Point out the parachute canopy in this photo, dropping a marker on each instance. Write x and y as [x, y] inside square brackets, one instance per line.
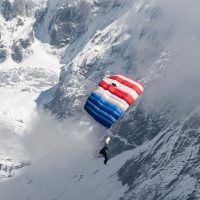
[112, 98]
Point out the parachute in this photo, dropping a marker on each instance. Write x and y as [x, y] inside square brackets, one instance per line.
[112, 98]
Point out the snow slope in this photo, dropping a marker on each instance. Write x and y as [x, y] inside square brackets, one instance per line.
[58, 173]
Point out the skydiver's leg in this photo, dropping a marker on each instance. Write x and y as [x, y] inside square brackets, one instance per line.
[106, 159]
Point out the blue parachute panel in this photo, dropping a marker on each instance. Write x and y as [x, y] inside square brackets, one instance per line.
[100, 111]
[105, 122]
[105, 106]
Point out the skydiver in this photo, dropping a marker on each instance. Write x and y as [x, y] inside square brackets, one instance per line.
[104, 150]
[104, 153]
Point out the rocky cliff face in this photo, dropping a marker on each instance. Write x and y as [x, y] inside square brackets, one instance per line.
[10, 9]
[68, 23]
[22, 48]
[3, 52]
[17, 34]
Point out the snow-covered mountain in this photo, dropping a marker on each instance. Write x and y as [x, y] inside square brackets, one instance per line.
[154, 147]
[27, 67]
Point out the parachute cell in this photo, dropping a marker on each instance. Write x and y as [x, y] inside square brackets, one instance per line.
[112, 98]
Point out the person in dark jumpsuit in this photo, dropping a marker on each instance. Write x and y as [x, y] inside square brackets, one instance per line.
[104, 153]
